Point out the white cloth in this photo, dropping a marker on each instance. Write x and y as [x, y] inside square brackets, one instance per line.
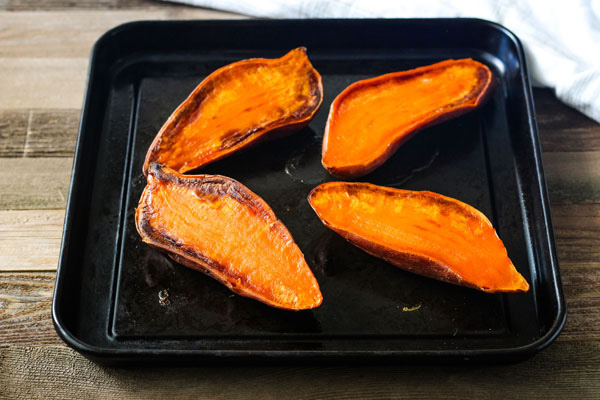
[561, 38]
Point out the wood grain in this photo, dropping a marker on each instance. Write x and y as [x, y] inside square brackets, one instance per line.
[38, 133]
[13, 130]
[573, 177]
[57, 34]
[44, 55]
[34, 183]
[52, 133]
[42, 82]
[30, 240]
[25, 303]
[577, 232]
[58, 372]
[563, 128]
[580, 285]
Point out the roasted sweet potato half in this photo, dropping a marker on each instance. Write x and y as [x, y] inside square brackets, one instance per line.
[423, 232]
[236, 106]
[217, 226]
[370, 119]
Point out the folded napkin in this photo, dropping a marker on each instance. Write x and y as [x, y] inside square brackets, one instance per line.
[561, 38]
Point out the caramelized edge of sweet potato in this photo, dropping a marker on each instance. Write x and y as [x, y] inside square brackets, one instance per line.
[479, 96]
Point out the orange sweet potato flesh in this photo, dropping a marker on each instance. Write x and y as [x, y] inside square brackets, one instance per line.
[423, 232]
[216, 225]
[370, 119]
[236, 106]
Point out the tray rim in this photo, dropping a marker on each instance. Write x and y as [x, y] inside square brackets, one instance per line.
[104, 354]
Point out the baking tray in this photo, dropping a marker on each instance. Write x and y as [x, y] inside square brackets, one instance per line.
[107, 303]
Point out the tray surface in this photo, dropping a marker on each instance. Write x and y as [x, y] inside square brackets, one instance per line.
[107, 302]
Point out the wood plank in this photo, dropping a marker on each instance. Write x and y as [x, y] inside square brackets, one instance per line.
[38, 132]
[42, 82]
[577, 232]
[58, 34]
[25, 303]
[581, 285]
[573, 177]
[34, 183]
[563, 128]
[13, 130]
[564, 370]
[30, 239]
[44, 55]
[52, 133]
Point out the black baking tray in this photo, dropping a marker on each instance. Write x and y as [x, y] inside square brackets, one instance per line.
[106, 301]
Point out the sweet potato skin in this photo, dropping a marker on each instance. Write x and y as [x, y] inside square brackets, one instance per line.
[414, 262]
[166, 149]
[219, 187]
[480, 92]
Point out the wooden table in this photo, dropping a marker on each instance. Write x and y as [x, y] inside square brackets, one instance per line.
[44, 49]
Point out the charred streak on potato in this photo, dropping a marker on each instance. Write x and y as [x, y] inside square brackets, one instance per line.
[232, 138]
